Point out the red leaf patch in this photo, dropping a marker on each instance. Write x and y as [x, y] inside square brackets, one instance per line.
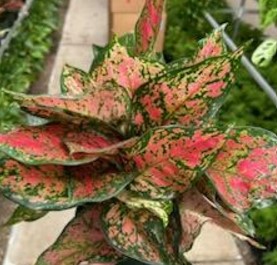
[212, 46]
[148, 26]
[245, 170]
[169, 158]
[51, 187]
[109, 104]
[129, 72]
[189, 96]
[42, 145]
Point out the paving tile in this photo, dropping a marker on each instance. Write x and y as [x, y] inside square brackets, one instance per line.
[80, 32]
[29, 240]
[214, 244]
[87, 22]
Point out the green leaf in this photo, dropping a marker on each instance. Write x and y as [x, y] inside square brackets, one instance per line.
[127, 71]
[53, 187]
[268, 12]
[161, 209]
[168, 159]
[244, 171]
[23, 214]
[98, 54]
[137, 234]
[264, 54]
[148, 26]
[190, 96]
[81, 241]
[74, 82]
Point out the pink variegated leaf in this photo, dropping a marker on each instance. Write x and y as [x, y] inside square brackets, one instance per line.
[148, 26]
[54, 187]
[74, 81]
[190, 96]
[81, 240]
[169, 158]
[95, 144]
[212, 46]
[137, 234]
[108, 104]
[55, 143]
[195, 211]
[127, 71]
[44, 145]
[245, 170]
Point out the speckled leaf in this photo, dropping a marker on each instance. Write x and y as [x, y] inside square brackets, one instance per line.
[81, 240]
[53, 187]
[74, 81]
[245, 170]
[169, 159]
[137, 234]
[212, 46]
[195, 211]
[109, 104]
[95, 144]
[43, 145]
[23, 214]
[148, 26]
[188, 97]
[161, 209]
[127, 71]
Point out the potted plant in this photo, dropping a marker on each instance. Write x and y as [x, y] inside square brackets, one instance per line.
[134, 145]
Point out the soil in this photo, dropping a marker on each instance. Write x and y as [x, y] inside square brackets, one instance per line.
[40, 86]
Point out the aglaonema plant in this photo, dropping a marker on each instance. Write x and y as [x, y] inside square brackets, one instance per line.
[134, 145]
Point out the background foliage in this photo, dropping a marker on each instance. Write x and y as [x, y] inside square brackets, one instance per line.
[247, 104]
[24, 58]
[268, 12]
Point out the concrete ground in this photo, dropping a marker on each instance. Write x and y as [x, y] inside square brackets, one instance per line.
[253, 19]
[86, 24]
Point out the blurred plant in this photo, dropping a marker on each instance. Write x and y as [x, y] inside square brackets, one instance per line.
[264, 54]
[10, 5]
[268, 12]
[24, 58]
